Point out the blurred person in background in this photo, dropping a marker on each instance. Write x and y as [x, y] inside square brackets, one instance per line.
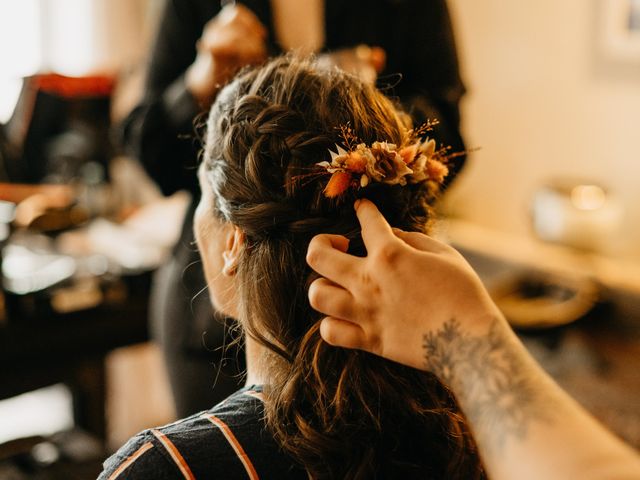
[198, 48]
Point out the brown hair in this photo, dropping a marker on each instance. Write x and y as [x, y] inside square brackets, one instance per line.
[339, 413]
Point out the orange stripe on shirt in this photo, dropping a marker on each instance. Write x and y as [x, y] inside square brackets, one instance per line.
[123, 466]
[233, 441]
[175, 454]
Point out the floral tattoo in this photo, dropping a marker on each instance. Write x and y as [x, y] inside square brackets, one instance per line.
[491, 380]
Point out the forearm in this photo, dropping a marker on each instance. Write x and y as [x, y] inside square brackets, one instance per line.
[160, 133]
[417, 301]
[524, 424]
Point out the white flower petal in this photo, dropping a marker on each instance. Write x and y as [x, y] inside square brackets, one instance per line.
[341, 151]
[419, 169]
[428, 147]
[402, 168]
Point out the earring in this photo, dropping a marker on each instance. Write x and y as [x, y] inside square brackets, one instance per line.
[229, 270]
[230, 267]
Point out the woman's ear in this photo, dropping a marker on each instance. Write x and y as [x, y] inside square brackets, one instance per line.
[234, 244]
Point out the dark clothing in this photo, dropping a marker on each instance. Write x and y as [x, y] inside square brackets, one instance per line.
[201, 370]
[230, 441]
[416, 35]
[421, 70]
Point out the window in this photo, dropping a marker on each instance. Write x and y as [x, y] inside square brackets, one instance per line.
[69, 37]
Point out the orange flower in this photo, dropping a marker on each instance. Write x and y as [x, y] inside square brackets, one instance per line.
[356, 163]
[337, 185]
[436, 170]
[409, 153]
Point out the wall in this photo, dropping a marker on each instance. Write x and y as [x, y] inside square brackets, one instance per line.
[71, 37]
[543, 102]
[91, 36]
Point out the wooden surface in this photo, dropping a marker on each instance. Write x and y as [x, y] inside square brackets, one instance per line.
[597, 363]
[597, 358]
[527, 252]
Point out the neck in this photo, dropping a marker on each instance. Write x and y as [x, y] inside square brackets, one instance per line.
[255, 354]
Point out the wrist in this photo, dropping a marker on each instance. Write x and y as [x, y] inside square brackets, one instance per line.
[180, 106]
[477, 312]
[453, 350]
[201, 79]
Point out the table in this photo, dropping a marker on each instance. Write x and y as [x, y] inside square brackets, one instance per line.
[50, 348]
[596, 360]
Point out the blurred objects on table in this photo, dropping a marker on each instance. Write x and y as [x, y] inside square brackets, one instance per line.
[532, 300]
[74, 294]
[578, 313]
[69, 269]
[578, 214]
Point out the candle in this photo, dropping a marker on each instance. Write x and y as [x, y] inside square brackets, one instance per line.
[580, 215]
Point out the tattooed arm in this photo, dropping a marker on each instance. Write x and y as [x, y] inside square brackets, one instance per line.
[416, 301]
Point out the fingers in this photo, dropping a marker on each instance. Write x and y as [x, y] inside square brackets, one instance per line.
[235, 40]
[246, 18]
[339, 242]
[234, 26]
[238, 47]
[326, 255]
[330, 299]
[341, 333]
[420, 241]
[375, 229]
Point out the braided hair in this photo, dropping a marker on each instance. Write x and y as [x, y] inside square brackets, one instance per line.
[339, 413]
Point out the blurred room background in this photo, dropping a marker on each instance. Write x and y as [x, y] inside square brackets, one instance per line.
[554, 92]
[547, 209]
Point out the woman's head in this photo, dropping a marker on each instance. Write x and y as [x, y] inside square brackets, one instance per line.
[263, 200]
[266, 133]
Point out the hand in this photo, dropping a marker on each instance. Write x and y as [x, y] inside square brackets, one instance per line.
[231, 40]
[407, 285]
[362, 61]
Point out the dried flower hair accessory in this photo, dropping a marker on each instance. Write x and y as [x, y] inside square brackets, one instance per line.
[382, 162]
